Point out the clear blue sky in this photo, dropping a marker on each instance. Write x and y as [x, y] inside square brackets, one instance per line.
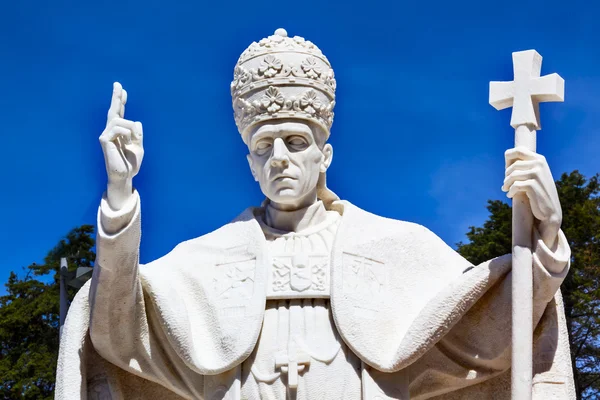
[414, 136]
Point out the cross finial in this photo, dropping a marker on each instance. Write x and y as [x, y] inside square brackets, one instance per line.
[527, 90]
[292, 364]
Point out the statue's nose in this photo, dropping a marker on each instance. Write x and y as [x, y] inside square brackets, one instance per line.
[280, 157]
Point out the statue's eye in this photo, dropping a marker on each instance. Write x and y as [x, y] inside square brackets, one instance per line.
[263, 146]
[297, 142]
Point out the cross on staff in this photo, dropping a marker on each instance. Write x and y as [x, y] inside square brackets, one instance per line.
[293, 364]
[524, 94]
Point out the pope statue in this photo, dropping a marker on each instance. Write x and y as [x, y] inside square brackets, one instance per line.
[308, 296]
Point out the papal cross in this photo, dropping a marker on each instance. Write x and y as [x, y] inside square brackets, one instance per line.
[524, 95]
[527, 90]
[293, 363]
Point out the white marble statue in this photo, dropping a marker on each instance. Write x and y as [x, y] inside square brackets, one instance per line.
[308, 296]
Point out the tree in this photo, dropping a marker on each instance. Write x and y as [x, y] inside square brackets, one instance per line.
[580, 202]
[29, 319]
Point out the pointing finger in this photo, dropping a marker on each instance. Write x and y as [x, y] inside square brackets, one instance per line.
[123, 102]
[115, 104]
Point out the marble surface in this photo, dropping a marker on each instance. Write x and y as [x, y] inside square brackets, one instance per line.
[306, 296]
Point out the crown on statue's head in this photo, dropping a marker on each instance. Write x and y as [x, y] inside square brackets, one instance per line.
[282, 77]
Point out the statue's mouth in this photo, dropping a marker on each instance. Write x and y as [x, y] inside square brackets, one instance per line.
[280, 178]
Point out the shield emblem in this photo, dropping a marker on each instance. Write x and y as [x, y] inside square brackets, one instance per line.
[299, 275]
[300, 278]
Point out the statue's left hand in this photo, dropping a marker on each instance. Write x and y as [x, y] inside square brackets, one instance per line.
[528, 172]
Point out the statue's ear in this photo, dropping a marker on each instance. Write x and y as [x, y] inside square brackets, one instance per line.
[250, 163]
[327, 157]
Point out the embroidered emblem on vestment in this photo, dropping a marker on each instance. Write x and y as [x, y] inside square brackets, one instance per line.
[363, 276]
[235, 276]
[300, 274]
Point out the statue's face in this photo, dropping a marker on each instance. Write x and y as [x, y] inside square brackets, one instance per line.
[286, 158]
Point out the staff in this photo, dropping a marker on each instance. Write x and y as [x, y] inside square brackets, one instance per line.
[524, 94]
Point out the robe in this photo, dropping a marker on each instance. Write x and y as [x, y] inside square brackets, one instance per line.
[422, 321]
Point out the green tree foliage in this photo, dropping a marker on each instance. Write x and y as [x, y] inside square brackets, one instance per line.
[29, 319]
[580, 202]
[491, 240]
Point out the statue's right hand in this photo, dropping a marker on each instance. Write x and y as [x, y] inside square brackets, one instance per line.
[122, 144]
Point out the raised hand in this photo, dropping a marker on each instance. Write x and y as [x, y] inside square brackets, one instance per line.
[122, 144]
[529, 173]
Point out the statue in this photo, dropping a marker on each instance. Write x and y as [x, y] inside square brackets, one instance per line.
[307, 296]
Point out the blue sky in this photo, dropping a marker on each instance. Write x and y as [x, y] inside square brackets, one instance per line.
[414, 137]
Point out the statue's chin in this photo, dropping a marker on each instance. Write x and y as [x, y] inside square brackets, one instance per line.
[286, 196]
